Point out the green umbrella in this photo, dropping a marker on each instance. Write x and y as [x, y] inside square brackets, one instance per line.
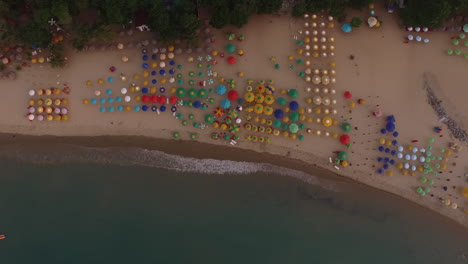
[465, 43]
[202, 93]
[232, 113]
[201, 74]
[465, 28]
[419, 190]
[423, 179]
[230, 48]
[196, 124]
[284, 126]
[180, 81]
[346, 127]
[234, 128]
[293, 128]
[227, 137]
[293, 93]
[300, 42]
[301, 126]
[301, 137]
[204, 106]
[228, 120]
[457, 51]
[181, 92]
[301, 74]
[193, 136]
[175, 135]
[343, 155]
[236, 138]
[277, 66]
[462, 35]
[214, 135]
[450, 51]
[191, 116]
[184, 122]
[299, 62]
[211, 100]
[276, 123]
[209, 118]
[456, 42]
[192, 93]
[294, 116]
[281, 101]
[180, 116]
[179, 66]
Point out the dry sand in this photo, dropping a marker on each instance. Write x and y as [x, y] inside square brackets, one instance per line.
[385, 72]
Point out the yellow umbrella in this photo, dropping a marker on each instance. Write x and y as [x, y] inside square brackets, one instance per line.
[50, 117]
[64, 101]
[276, 132]
[31, 102]
[128, 108]
[260, 88]
[58, 118]
[145, 73]
[268, 110]
[100, 81]
[136, 76]
[269, 99]
[270, 89]
[85, 101]
[48, 101]
[249, 97]
[49, 110]
[327, 121]
[249, 108]
[41, 60]
[89, 83]
[40, 109]
[259, 98]
[57, 91]
[465, 192]
[258, 108]
[33, 60]
[145, 83]
[48, 91]
[57, 102]
[170, 48]
[40, 102]
[40, 91]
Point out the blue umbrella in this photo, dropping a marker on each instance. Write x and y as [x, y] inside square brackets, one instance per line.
[383, 131]
[93, 101]
[225, 103]
[110, 79]
[346, 28]
[110, 109]
[172, 62]
[144, 108]
[144, 51]
[102, 109]
[153, 73]
[154, 56]
[145, 65]
[173, 109]
[162, 72]
[102, 100]
[162, 108]
[221, 89]
[196, 104]
[154, 108]
[395, 134]
[391, 118]
[390, 126]
[144, 90]
[109, 91]
[145, 57]
[171, 71]
[279, 113]
[119, 108]
[293, 105]
[154, 81]
[110, 100]
[118, 99]
[136, 108]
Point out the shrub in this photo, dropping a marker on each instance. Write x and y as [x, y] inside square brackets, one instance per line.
[356, 22]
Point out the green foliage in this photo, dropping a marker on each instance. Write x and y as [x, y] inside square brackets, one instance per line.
[428, 13]
[84, 33]
[18, 67]
[299, 9]
[268, 6]
[2, 67]
[34, 34]
[58, 59]
[359, 4]
[356, 22]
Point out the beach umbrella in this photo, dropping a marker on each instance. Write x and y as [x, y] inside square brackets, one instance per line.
[465, 28]
[232, 113]
[450, 51]
[293, 105]
[372, 21]
[268, 110]
[221, 89]
[293, 128]
[278, 114]
[173, 100]
[293, 93]
[258, 108]
[390, 127]
[144, 108]
[457, 52]
[327, 121]
[196, 104]
[249, 97]
[154, 99]
[281, 101]
[348, 95]
[202, 93]
[345, 139]
[192, 93]
[346, 127]
[234, 128]
[231, 60]
[145, 99]
[225, 103]
[259, 98]
[162, 99]
[269, 99]
[294, 116]
[218, 112]
[346, 28]
[230, 47]
[209, 118]
[233, 95]
[231, 83]
[343, 155]
[181, 92]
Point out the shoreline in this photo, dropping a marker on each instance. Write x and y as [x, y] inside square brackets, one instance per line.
[203, 150]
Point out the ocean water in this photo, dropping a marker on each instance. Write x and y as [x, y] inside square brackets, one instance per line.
[116, 205]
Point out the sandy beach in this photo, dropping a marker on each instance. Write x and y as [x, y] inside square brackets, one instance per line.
[384, 71]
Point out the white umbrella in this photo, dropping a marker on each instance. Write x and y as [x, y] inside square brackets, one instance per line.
[40, 117]
[426, 40]
[372, 21]
[123, 90]
[238, 120]
[418, 38]
[155, 50]
[163, 50]
[32, 110]
[162, 64]
[170, 55]
[410, 37]
[171, 80]
[97, 93]
[31, 92]
[162, 56]
[417, 29]
[127, 98]
[316, 79]
[57, 110]
[31, 117]
[64, 111]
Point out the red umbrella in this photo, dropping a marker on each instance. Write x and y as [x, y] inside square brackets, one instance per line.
[231, 60]
[348, 95]
[162, 99]
[173, 99]
[233, 95]
[154, 99]
[145, 99]
[219, 111]
[345, 139]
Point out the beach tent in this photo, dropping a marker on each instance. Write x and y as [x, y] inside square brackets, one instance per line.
[346, 28]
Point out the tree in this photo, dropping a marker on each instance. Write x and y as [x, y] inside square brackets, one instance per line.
[426, 13]
[220, 18]
[34, 34]
[356, 22]
[268, 6]
[359, 4]
[60, 10]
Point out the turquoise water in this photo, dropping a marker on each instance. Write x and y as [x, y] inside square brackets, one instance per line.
[83, 212]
